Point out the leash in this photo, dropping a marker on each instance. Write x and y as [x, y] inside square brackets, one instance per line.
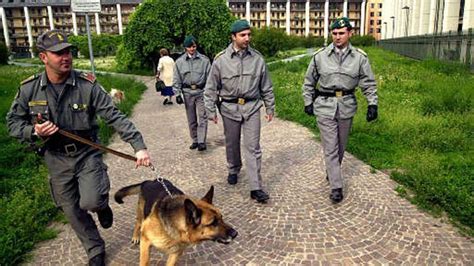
[101, 147]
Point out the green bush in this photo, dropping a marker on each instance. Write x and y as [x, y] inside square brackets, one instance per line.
[3, 54]
[102, 45]
[269, 40]
[365, 40]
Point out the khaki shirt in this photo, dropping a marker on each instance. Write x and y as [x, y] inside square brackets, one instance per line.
[165, 67]
[333, 73]
[233, 76]
[191, 71]
[74, 110]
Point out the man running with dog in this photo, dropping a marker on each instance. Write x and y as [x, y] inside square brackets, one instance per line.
[63, 98]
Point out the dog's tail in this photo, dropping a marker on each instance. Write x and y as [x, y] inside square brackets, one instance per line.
[127, 191]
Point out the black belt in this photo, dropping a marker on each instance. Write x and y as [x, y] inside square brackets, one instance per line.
[67, 149]
[191, 87]
[336, 93]
[238, 100]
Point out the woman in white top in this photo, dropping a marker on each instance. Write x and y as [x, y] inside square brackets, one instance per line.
[165, 73]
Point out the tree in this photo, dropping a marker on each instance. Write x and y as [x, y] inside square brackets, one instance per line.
[160, 24]
[3, 54]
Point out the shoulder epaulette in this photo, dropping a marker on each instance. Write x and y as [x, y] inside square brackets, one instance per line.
[219, 54]
[88, 76]
[319, 50]
[361, 51]
[35, 76]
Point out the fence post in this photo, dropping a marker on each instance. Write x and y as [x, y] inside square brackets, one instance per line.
[468, 50]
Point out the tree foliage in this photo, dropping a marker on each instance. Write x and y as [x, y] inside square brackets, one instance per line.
[102, 45]
[160, 24]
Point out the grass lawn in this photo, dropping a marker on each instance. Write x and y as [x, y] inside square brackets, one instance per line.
[26, 207]
[423, 137]
[107, 64]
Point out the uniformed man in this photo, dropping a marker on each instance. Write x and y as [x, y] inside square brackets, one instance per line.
[238, 84]
[338, 69]
[190, 74]
[62, 98]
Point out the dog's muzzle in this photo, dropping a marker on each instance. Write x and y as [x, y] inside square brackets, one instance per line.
[230, 235]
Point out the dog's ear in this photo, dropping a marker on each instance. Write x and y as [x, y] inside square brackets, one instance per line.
[193, 213]
[209, 195]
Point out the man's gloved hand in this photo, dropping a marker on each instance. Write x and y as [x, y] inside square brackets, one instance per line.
[179, 99]
[309, 110]
[372, 113]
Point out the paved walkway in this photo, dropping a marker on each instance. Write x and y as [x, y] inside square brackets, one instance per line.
[298, 226]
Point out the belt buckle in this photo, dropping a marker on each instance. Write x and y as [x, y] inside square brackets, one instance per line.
[241, 101]
[193, 86]
[338, 94]
[70, 149]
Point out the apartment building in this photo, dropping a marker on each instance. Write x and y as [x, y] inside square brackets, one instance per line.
[22, 21]
[373, 23]
[403, 18]
[300, 17]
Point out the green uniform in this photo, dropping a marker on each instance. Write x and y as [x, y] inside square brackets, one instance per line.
[189, 79]
[77, 174]
[337, 74]
[242, 83]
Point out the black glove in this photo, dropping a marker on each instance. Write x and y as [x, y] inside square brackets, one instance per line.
[308, 109]
[372, 113]
[179, 99]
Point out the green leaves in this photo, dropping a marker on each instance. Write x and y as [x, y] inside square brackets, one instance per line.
[160, 24]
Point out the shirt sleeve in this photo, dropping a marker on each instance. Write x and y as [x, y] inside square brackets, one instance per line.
[266, 91]
[367, 82]
[310, 80]
[104, 107]
[211, 90]
[18, 119]
[177, 82]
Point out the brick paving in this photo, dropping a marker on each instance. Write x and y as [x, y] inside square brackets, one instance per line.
[299, 225]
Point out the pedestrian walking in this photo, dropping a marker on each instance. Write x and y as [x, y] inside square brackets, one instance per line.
[189, 78]
[63, 98]
[338, 69]
[239, 84]
[164, 72]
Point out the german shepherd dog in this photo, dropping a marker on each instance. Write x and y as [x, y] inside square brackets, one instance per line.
[172, 223]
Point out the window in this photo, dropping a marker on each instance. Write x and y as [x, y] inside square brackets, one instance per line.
[371, 22]
[380, 14]
[380, 5]
[371, 31]
[372, 5]
[378, 30]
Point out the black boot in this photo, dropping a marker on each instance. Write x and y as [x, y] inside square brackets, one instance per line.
[106, 217]
[336, 195]
[259, 195]
[232, 179]
[97, 260]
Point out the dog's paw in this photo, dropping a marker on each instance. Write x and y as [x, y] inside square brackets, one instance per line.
[135, 240]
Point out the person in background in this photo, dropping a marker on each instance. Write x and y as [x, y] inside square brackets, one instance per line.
[190, 75]
[239, 84]
[338, 69]
[164, 72]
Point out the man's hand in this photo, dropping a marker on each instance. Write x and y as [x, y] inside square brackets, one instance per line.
[269, 117]
[214, 119]
[179, 99]
[45, 129]
[372, 113]
[309, 110]
[143, 158]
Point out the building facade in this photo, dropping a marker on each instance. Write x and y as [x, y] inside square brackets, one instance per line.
[402, 18]
[300, 17]
[22, 21]
[373, 22]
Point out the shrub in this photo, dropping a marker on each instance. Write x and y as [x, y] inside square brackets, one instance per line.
[366, 40]
[102, 45]
[270, 40]
[3, 54]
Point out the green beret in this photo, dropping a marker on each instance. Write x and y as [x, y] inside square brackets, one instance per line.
[189, 41]
[239, 26]
[341, 23]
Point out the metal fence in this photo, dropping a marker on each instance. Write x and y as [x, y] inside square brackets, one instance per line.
[450, 46]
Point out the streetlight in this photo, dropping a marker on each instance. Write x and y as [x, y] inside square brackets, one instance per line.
[385, 31]
[393, 26]
[407, 8]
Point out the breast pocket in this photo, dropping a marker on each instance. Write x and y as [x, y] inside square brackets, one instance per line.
[230, 82]
[36, 109]
[249, 79]
[79, 116]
